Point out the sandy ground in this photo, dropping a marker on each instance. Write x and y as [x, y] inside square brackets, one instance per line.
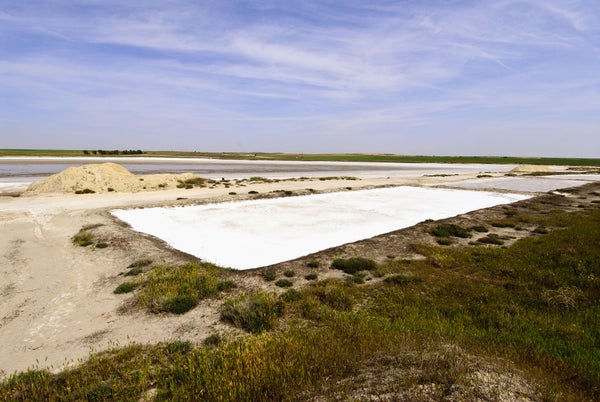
[56, 299]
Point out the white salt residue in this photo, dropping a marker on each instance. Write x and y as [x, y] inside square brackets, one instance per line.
[255, 233]
[524, 184]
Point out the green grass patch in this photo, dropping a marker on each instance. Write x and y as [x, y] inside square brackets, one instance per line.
[450, 229]
[125, 287]
[284, 283]
[255, 312]
[353, 264]
[101, 245]
[83, 239]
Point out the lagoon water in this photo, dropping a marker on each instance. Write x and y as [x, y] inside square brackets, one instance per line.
[256, 233]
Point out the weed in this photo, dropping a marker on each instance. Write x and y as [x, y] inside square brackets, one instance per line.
[82, 239]
[134, 271]
[213, 340]
[226, 285]
[101, 245]
[140, 263]
[353, 264]
[480, 229]
[492, 238]
[179, 304]
[291, 295]
[450, 229]
[284, 283]
[269, 275]
[255, 312]
[311, 277]
[313, 264]
[125, 287]
[289, 273]
[444, 241]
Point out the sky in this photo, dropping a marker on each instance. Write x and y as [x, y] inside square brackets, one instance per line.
[430, 77]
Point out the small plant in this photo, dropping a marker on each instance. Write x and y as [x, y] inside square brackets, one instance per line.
[213, 340]
[311, 277]
[289, 273]
[402, 280]
[492, 238]
[252, 192]
[450, 229]
[444, 241]
[540, 230]
[232, 193]
[313, 264]
[503, 224]
[82, 239]
[178, 347]
[288, 192]
[125, 287]
[284, 283]
[110, 189]
[353, 264]
[291, 295]
[255, 312]
[85, 191]
[134, 271]
[226, 285]
[480, 229]
[101, 245]
[269, 275]
[179, 304]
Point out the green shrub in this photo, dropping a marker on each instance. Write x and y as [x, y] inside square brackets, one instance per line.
[313, 264]
[289, 273]
[82, 239]
[492, 238]
[269, 275]
[291, 295]
[503, 224]
[450, 229]
[310, 277]
[179, 304]
[178, 347]
[213, 340]
[134, 271]
[140, 263]
[402, 279]
[540, 230]
[353, 264]
[480, 229]
[252, 192]
[223, 286]
[232, 193]
[85, 191]
[444, 241]
[125, 287]
[284, 283]
[101, 245]
[332, 294]
[255, 312]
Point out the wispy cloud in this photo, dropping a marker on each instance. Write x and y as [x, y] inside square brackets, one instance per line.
[316, 70]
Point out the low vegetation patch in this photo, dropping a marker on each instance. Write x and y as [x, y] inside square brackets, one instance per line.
[125, 287]
[464, 323]
[354, 264]
[85, 191]
[450, 229]
[284, 283]
[255, 311]
[83, 239]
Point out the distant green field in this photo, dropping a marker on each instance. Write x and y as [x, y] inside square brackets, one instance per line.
[326, 157]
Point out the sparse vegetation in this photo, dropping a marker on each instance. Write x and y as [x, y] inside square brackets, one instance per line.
[284, 283]
[101, 245]
[311, 277]
[450, 324]
[125, 287]
[313, 264]
[353, 264]
[83, 238]
[85, 191]
[450, 229]
[289, 273]
[269, 275]
[491, 238]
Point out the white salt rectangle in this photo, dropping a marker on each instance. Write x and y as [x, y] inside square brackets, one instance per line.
[255, 233]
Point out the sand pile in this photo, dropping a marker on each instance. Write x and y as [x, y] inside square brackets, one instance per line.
[102, 178]
[531, 169]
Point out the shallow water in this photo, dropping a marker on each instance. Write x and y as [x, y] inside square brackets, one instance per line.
[255, 233]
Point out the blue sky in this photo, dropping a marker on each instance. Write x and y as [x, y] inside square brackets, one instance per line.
[447, 77]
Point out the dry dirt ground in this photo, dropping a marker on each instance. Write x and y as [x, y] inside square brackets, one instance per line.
[57, 302]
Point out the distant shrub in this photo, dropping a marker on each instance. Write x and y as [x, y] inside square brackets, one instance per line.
[291, 295]
[179, 304]
[255, 312]
[310, 277]
[213, 340]
[140, 263]
[178, 347]
[313, 264]
[289, 273]
[480, 229]
[284, 283]
[125, 287]
[252, 192]
[333, 295]
[226, 285]
[232, 193]
[82, 239]
[402, 280]
[101, 245]
[444, 241]
[450, 229]
[110, 189]
[269, 275]
[353, 264]
[85, 191]
[503, 224]
[134, 271]
[540, 230]
[492, 238]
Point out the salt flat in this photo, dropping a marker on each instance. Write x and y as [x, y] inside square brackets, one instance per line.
[527, 184]
[255, 233]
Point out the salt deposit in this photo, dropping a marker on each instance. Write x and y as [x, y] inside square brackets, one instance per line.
[255, 233]
[523, 184]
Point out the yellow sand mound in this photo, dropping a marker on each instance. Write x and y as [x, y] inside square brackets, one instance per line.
[102, 178]
[531, 169]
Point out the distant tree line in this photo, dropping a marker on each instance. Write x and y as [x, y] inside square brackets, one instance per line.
[115, 152]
